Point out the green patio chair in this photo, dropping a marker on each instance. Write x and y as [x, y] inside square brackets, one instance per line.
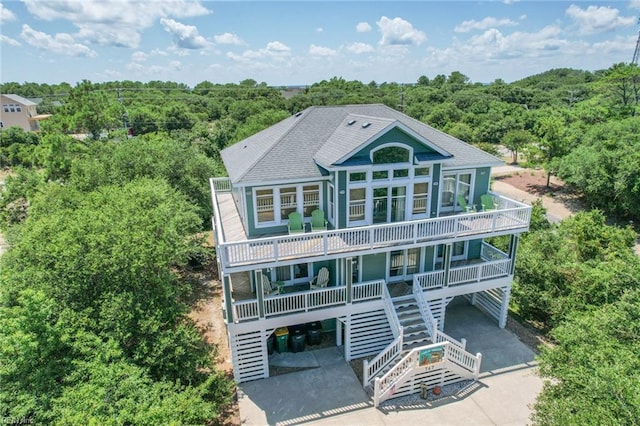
[488, 202]
[321, 280]
[463, 204]
[296, 225]
[318, 222]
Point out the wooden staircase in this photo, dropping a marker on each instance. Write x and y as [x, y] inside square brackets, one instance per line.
[412, 366]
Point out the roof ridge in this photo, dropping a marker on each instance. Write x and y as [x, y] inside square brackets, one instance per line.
[275, 142]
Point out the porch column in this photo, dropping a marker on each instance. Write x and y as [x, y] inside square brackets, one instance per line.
[259, 292]
[338, 332]
[513, 249]
[228, 300]
[446, 260]
[504, 307]
[348, 279]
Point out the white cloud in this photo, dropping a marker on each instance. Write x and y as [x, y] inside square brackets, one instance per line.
[319, 29]
[184, 36]
[598, 19]
[228, 38]
[359, 48]
[139, 56]
[274, 49]
[9, 41]
[61, 43]
[363, 27]
[175, 65]
[113, 22]
[397, 31]
[6, 15]
[488, 22]
[321, 51]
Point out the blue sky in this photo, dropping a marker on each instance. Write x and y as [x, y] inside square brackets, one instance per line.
[302, 42]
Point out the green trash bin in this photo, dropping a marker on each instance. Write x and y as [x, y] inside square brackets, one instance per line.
[282, 339]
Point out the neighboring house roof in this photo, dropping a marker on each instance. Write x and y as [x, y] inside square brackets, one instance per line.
[20, 100]
[295, 147]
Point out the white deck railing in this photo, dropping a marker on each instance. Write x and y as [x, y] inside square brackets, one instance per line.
[383, 386]
[371, 368]
[510, 215]
[305, 301]
[467, 274]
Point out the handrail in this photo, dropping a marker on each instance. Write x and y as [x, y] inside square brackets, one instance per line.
[463, 274]
[451, 353]
[425, 311]
[305, 301]
[371, 368]
[322, 243]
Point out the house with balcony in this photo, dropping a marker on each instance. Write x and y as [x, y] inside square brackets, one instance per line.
[20, 112]
[369, 223]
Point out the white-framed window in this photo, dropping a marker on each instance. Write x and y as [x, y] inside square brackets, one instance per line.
[455, 184]
[273, 205]
[357, 204]
[292, 274]
[458, 251]
[403, 264]
[331, 199]
[265, 207]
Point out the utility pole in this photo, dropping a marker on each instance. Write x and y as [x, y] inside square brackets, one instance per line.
[401, 104]
[637, 51]
[124, 114]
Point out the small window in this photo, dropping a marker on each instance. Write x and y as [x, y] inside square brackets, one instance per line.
[18, 109]
[5, 107]
[380, 174]
[422, 171]
[357, 176]
[401, 173]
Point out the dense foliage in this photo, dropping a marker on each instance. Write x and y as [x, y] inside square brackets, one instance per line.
[101, 207]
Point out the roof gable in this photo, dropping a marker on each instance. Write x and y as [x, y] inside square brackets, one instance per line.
[302, 146]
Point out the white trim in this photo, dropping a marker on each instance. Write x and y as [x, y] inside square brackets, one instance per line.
[278, 220]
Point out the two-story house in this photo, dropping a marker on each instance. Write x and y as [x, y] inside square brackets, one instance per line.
[396, 213]
[20, 112]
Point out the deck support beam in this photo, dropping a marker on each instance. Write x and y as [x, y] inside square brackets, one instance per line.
[228, 300]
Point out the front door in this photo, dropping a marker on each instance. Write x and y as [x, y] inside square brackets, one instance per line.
[403, 264]
[389, 204]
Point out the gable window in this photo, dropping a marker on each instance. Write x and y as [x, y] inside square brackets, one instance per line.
[357, 176]
[391, 154]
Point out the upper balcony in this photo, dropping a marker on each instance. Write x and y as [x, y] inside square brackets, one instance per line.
[237, 252]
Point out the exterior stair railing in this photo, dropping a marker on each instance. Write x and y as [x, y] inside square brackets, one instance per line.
[371, 368]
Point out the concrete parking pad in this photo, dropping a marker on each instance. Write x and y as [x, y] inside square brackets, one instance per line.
[332, 395]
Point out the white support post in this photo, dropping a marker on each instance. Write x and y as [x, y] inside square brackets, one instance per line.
[476, 373]
[347, 338]
[338, 332]
[504, 307]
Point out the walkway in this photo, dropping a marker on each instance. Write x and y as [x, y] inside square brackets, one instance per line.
[557, 207]
[332, 394]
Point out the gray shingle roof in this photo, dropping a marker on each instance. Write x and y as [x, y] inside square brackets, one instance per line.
[295, 147]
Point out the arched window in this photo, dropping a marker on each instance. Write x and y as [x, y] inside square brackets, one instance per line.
[391, 154]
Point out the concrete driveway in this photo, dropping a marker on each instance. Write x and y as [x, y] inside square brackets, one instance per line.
[331, 394]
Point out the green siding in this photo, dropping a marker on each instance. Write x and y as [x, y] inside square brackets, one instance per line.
[394, 135]
[430, 252]
[436, 170]
[342, 208]
[374, 267]
[473, 249]
[483, 176]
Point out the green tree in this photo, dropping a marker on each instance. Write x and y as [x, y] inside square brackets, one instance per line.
[515, 140]
[594, 369]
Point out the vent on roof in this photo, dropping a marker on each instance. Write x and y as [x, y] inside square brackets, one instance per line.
[298, 114]
[365, 125]
[351, 122]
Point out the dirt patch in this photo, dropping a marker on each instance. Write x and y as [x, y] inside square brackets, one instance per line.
[207, 314]
[533, 181]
